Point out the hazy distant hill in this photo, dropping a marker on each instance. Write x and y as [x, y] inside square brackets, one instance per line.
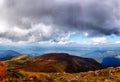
[54, 62]
[99, 55]
[111, 61]
[8, 54]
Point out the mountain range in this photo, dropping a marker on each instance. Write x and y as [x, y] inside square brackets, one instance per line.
[106, 59]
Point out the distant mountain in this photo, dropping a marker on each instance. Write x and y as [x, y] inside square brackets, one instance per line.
[8, 54]
[99, 55]
[54, 62]
[111, 61]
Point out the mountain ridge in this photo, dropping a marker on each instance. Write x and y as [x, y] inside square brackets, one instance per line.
[55, 62]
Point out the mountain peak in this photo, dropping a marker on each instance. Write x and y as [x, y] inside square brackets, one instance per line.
[55, 56]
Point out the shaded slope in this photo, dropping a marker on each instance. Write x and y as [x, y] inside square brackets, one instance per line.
[6, 55]
[111, 61]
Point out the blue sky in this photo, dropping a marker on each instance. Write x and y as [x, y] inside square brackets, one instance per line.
[84, 39]
[111, 39]
[79, 38]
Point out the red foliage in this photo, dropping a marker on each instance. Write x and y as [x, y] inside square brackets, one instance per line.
[56, 56]
[3, 70]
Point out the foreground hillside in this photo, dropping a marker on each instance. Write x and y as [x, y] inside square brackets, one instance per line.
[104, 75]
[53, 62]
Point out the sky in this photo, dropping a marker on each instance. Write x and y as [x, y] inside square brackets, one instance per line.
[60, 22]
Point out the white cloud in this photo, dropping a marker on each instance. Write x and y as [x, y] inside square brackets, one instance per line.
[37, 32]
[42, 31]
[4, 41]
[63, 38]
[99, 40]
[20, 31]
[86, 34]
[117, 42]
[3, 26]
[1, 2]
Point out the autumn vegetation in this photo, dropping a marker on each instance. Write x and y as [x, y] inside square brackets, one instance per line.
[103, 75]
[20, 69]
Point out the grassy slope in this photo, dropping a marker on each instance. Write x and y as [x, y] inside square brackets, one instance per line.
[104, 75]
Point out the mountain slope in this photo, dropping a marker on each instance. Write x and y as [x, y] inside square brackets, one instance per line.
[55, 62]
[111, 61]
[8, 54]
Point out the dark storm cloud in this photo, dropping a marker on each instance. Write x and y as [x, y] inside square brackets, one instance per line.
[93, 16]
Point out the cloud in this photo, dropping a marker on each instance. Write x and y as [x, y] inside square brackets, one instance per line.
[62, 38]
[99, 40]
[117, 42]
[36, 33]
[21, 20]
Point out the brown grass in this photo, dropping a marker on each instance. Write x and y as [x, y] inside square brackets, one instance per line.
[104, 75]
